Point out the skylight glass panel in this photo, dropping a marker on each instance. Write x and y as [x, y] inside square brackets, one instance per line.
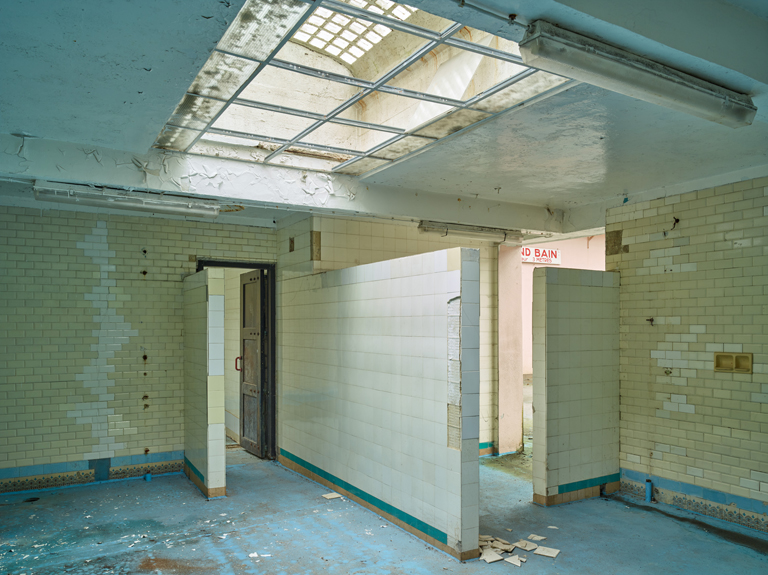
[393, 111]
[262, 122]
[521, 91]
[324, 27]
[453, 123]
[402, 147]
[254, 29]
[362, 166]
[279, 87]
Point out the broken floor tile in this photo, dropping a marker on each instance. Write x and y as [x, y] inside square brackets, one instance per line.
[533, 537]
[547, 552]
[491, 557]
[552, 527]
[515, 560]
[526, 545]
[332, 495]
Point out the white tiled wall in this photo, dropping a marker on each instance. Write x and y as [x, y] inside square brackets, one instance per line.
[703, 280]
[204, 445]
[215, 435]
[363, 383]
[196, 372]
[347, 242]
[575, 377]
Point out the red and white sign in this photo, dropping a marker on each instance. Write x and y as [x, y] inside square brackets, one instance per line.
[541, 255]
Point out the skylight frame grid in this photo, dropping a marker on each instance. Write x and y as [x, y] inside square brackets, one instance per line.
[466, 106]
[348, 34]
[569, 83]
[283, 41]
[283, 141]
[425, 49]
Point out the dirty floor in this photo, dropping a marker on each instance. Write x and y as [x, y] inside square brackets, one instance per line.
[167, 527]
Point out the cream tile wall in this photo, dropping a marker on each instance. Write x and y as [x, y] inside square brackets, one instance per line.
[347, 243]
[363, 386]
[697, 264]
[77, 316]
[575, 379]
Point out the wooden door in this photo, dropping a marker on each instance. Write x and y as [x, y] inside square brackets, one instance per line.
[252, 396]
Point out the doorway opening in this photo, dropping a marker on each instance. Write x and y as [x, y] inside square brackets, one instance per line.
[249, 355]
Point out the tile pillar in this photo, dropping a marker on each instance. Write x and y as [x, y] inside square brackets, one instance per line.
[510, 350]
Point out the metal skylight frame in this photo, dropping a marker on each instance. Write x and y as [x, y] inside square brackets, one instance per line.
[367, 88]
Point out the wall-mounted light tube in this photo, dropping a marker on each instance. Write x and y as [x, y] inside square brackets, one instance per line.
[559, 51]
[119, 200]
[496, 235]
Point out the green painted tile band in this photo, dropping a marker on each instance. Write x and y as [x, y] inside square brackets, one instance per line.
[194, 470]
[576, 485]
[368, 498]
[486, 445]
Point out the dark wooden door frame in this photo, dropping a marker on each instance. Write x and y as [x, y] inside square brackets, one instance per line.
[269, 343]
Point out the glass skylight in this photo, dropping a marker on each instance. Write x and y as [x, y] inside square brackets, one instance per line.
[347, 38]
[347, 85]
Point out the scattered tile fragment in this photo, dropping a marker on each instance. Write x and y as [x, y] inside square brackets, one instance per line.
[547, 552]
[504, 541]
[509, 530]
[552, 527]
[533, 537]
[491, 557]
[253, 555]
[486, 538]
[526, 545]
[515, 560]
[332, 495]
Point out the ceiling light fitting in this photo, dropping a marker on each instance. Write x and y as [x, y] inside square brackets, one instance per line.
[119, 200]
[552, 49]
[496, 235]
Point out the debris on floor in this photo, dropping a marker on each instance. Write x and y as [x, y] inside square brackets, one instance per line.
[332, 495]
[491, 549]
[547, 552]
[552, 527]
[526, 545]
[490, 556]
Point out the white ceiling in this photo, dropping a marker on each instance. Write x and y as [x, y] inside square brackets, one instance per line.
[110, 73]
[102, 73]
[579, 147]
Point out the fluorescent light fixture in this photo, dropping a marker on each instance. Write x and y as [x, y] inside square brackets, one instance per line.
[497, 235]
[559, 51]
[120, 200]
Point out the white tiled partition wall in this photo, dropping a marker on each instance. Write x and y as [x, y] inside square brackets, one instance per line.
[378, 389]
[347, 242]
[204, 437]
[575, 384]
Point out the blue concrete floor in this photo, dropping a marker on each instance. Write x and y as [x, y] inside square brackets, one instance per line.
[167, 527]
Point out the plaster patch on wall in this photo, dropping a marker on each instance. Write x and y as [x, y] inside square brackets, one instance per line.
[112, 333]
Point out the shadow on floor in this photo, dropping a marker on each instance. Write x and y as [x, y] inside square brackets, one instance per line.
[167, 527]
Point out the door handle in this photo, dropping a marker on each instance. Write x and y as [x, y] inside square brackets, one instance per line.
[238, 368]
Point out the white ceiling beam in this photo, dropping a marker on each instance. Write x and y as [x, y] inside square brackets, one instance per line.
[257, 184]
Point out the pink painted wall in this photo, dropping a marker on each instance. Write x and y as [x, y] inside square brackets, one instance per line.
[578, 253]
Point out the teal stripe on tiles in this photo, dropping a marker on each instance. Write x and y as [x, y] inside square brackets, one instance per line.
[486, 445]
[368, 498]
[194, 470]
[576, 485]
